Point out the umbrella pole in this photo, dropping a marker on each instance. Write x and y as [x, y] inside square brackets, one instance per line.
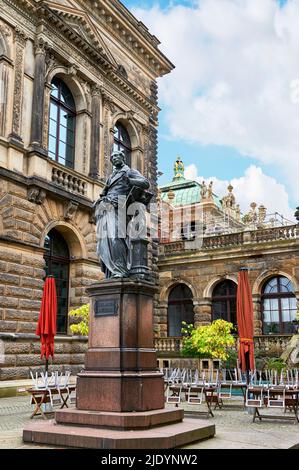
[47, 364]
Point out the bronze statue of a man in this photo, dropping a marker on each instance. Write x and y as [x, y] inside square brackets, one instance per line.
[113, 242]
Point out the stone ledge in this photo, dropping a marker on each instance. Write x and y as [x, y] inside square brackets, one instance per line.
[130, 420]
[162, 437]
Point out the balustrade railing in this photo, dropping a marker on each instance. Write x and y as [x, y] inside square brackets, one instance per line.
[266, 343]
[235, 239]
[168, 344]
[68, 181]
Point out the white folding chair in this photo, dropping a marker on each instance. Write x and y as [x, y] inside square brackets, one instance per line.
[173, 394]
[195, 395]
[276, 401]
[257, 401]
[225, 391]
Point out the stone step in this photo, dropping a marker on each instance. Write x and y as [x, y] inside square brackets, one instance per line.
[129, 420]
[162, 437]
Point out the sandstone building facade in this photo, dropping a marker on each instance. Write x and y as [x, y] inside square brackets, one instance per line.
[77, 78]
[205, 240]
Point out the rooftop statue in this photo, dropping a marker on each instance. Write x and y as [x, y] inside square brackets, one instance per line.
[123, 187]
[179, 168]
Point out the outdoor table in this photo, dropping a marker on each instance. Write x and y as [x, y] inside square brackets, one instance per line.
[176, 389]
[242, 387]
[209, 399]
[41, 397]
[291, 402]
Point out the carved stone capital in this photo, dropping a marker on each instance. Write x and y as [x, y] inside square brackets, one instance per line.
[70, 210]
[36, 195]
[96, 90]
[41, 46]
[20, 37]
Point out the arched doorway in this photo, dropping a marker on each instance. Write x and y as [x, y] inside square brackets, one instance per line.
[180, 308]
[224, 302]
[57, 259]
[279, 306]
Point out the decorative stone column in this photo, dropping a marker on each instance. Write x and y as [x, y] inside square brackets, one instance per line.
[257, 315]
[20, 40]
[202, 312]
[4, 79]
[95, 132]
[37, 121]
[106, 164]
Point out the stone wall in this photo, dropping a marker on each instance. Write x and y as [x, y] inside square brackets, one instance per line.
[201, 271]
[19, 352]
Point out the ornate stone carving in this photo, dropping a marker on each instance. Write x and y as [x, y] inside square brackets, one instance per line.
[36, 195]
[70, 210]
[96, 90]
[73, 70]
[20, 40]
[51, 62]
[20, 37]
[40, 46]
[4, 29]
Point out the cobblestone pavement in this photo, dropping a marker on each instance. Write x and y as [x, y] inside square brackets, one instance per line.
[234, 428]
[14, 414]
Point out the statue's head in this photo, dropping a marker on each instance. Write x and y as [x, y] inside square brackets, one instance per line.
[118, 157]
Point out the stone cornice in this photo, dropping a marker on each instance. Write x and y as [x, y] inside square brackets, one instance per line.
[51, 189]
[130, 32]
[54, 21]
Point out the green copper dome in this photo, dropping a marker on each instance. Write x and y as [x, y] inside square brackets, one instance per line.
[182, 191]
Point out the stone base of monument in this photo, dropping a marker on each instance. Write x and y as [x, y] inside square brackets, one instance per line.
[159, 429]
[120, 393]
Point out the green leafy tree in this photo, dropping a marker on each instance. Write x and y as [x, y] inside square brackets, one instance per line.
[210, 341]
[81, 316]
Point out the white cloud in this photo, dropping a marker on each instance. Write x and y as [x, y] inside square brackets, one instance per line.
[236, 77]
[254, 186]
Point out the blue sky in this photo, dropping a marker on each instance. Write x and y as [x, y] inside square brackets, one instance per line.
[255, 145]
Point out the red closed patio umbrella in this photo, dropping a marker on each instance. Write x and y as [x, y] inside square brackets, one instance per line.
[46, 327]
[245, 321]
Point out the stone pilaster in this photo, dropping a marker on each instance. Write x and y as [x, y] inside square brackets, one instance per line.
[95, 132]
[162, 313]
[202, 312]
[107, 167]
[20, 42]
[257, 315]
[37, 121]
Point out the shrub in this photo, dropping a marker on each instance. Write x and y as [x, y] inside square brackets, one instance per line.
[82, 315]
[275, 363]
[209, 341]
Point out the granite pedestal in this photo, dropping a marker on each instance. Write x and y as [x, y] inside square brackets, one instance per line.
[120, 393]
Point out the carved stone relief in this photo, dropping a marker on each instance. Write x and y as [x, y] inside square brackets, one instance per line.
[36, 195]
[20, 43]
[70, 210]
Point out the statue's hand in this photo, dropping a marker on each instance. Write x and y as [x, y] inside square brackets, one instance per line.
[127, 180]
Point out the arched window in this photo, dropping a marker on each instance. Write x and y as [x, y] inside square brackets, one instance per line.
[122, 141]
[180, 308]
[57, 259]
[279, 306]
[224, 302]
[62, 124]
